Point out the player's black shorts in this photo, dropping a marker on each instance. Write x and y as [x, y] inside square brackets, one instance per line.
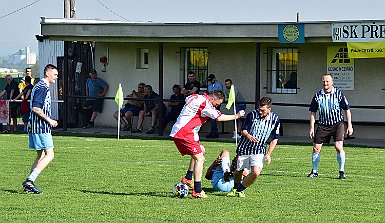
[324, 133]
[97, 104]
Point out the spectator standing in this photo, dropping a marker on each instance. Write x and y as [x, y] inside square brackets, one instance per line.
[96, 89]
[12, 90]
[28, 73]
[26, 93]
[213, 84]
[192, 86]
[239, 102]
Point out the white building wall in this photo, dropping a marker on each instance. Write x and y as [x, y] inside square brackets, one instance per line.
[49, 50]
[237, 61]
[369, 81]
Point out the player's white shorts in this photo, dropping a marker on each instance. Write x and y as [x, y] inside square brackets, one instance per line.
[247, 161]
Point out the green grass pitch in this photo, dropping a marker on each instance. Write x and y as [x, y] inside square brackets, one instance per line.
[130, 180]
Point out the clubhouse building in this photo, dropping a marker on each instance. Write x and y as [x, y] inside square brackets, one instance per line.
[284, 61]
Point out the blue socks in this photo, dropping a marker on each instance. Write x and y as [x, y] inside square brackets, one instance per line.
[34, 174]
[315, 158]
[197, 186]
[189, 174]
[240, 188]
[341, 160]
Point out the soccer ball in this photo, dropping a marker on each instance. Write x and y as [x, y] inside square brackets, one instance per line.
[180, 190]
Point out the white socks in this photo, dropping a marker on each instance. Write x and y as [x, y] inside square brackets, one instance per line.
[225, 164]
[34, 174]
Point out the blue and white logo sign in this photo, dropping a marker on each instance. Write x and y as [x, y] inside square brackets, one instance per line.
[291, 33]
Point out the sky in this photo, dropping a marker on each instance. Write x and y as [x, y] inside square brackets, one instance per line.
[18, 29]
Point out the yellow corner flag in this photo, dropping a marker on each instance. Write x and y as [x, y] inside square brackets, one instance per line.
[119, 98]
[231, 98]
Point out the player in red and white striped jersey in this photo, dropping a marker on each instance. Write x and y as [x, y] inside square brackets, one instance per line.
[197, 110]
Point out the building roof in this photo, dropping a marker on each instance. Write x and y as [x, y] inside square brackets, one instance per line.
[118, 31]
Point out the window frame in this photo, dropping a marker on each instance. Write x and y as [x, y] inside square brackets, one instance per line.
[142, 58]
[274, 70]
[186, 65]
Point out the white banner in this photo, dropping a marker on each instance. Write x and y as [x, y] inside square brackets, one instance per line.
[341, 67]
[358, 32]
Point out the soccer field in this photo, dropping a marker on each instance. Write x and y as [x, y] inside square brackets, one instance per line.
[130, 180]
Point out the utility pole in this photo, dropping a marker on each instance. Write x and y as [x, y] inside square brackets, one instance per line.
[65, 8]
[69, 8]
[73, 8]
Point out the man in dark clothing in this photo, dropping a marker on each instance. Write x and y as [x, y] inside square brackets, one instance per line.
[176, 104]
[12, 90]
[192, 86]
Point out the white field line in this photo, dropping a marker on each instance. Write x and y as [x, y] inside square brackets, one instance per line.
[349, 175]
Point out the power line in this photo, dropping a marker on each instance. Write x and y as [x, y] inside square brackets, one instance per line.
[20, 9]
[112, 11]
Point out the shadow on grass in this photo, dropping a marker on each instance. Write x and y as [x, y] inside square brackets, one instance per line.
[151, 194]
[276, 174]
[304, 176]
[13, 191]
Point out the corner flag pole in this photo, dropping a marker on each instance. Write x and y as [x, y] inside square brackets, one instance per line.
[118, 123]
[235, 127]
[119, 100]
[230, 102]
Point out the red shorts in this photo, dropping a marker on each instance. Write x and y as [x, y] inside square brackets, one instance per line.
[188, 147]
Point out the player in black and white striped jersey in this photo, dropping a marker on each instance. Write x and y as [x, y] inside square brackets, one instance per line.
[330, 102]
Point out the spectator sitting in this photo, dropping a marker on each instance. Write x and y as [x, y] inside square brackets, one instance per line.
[131, 108]
[26, 93]
[12, 91]
[150, 109]
[176, 104]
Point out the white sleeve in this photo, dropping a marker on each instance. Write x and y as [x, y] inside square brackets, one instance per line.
[211, 112]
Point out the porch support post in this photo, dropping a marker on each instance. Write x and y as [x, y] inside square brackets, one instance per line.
[160, 101]
[257, 74]
[65, 86]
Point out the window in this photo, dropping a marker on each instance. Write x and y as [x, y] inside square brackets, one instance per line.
[142, 59]
[282, 70]
[195, 59]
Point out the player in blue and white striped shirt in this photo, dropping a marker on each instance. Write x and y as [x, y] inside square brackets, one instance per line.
[259, 126]
[329, 101]
[39, 127]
